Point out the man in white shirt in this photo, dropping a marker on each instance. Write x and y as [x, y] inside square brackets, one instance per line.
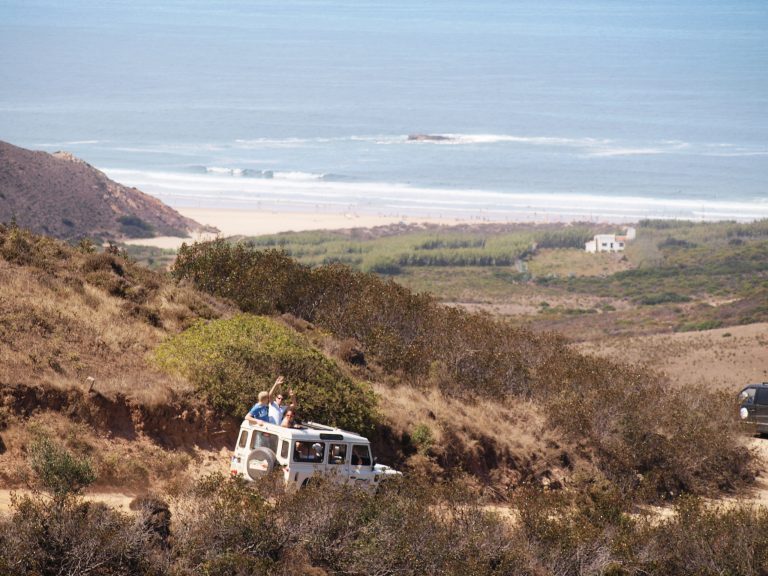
[276, 407]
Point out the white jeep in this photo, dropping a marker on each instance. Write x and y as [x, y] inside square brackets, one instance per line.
[305, 451]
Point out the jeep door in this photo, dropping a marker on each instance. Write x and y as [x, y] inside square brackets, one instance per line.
[307, 460]
[338, 461]
[361, 468]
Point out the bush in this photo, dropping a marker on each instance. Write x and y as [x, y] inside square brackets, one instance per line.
[135, 227]
[224, 526]
[60, 472]
[652, 441]
[700, 539]
[230, 361]
[663, 298]
[406, 528]
[261, 282]
[423, 438]
[75, 538]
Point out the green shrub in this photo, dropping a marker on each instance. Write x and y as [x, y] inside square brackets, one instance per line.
[231, 360]
[663, 298]
[423, 438]
[135, 227]
[670, 242]
[60, 472]
[261, 282]
[699, 326]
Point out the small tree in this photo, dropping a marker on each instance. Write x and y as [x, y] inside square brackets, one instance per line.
[60, 472]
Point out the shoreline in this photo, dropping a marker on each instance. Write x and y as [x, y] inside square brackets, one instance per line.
[234, 222]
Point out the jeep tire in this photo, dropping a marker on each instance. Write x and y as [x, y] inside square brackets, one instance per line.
[260, 462]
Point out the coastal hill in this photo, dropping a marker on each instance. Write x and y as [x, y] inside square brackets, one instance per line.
[62, 196]
[517, 450]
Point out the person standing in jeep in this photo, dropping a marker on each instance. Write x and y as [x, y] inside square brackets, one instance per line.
[260, 410]
[263, 409]
[277, 408]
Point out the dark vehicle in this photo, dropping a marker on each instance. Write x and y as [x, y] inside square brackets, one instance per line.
[753, 406]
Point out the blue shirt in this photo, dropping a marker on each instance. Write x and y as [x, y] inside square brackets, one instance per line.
[260, 412]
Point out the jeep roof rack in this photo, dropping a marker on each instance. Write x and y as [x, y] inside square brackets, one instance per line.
[316, 426]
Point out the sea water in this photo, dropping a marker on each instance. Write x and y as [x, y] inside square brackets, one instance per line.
[546, 109]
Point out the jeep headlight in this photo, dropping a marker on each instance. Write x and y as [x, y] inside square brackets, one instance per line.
[743, 413]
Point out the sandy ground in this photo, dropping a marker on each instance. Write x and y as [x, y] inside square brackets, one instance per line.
[254, 223]
[116, 500]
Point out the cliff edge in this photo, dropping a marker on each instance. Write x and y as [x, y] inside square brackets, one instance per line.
[63, 196]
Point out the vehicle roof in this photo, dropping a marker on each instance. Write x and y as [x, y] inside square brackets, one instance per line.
[756, 385]
[308, 431]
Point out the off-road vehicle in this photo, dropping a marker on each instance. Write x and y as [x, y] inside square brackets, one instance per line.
[306, 451]
[753, 409]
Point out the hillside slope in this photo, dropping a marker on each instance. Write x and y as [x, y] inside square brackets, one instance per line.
[64, 197]
[67, 314]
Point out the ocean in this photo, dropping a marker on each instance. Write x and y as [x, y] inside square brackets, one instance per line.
[540, 110]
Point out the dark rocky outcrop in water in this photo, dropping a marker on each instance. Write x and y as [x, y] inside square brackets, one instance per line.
[428, 138]
[62, 196]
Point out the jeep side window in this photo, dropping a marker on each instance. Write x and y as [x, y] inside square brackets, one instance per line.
[337, 454]
[747, 396]
[264, 439]
[284, 449]
[361, 455]
[313, 452]
[762, 396]
[243, 439]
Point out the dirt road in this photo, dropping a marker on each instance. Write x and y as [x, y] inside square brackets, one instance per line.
[116, 500]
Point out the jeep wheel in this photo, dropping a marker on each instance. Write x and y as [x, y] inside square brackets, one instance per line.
[260, 462]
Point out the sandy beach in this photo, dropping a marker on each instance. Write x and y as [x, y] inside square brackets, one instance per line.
[232, 222]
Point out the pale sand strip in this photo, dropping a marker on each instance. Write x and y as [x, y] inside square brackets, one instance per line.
[254, 223]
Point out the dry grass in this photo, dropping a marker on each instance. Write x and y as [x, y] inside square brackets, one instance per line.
[79, 315]
[504, 443]
[575, 262]
[725, 358]
[129, 465]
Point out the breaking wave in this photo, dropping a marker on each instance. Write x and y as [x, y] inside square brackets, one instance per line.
[308, 192]
[265, 174]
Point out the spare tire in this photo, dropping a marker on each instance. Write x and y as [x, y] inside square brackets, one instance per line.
[260, 462]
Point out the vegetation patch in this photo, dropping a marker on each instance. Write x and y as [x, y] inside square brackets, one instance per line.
[635, 425]
[135, 227]
[663, 298]
[231, 360]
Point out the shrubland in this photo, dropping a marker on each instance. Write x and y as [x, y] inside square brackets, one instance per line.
[675, 276]
[641, 433]
[674, 262]
[393, 249]
[233, 317]
[226, 526]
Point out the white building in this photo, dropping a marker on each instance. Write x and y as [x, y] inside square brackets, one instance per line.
[606, 243]
[610, 242]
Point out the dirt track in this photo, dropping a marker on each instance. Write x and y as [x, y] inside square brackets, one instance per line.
[116, 500]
